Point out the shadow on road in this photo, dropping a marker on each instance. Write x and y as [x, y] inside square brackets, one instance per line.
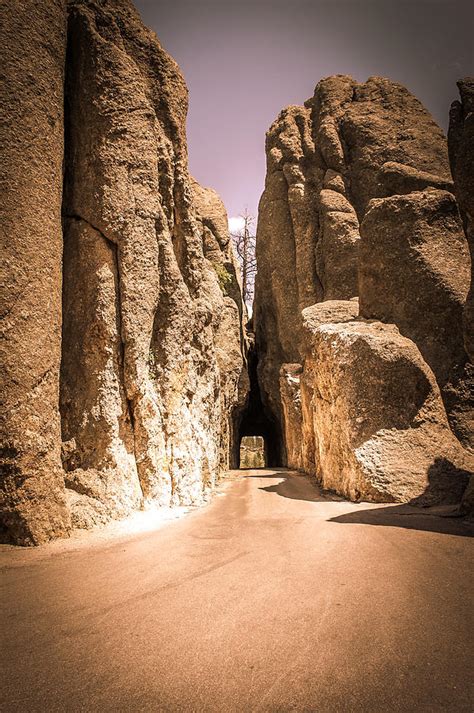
[407, 517]
[295, 486]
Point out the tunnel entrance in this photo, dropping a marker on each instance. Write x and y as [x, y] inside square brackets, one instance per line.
[252, 452]
[256, 421]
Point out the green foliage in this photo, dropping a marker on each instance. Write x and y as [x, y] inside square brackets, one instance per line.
[224, 277]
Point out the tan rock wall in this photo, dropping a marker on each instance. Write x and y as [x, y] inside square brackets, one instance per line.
[152, 331]
[33, 40]
[353, 143]
[293, 423]
[380, 221]
[127, 179]
[414, 272]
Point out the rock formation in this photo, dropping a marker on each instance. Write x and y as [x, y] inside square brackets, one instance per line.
[32, 484]
[461, 153]
[152, 338]
[378, 425]
[129, 378]
[359, 202]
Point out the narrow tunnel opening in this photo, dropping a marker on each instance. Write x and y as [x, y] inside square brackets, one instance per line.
[256, 421]
[252, 452]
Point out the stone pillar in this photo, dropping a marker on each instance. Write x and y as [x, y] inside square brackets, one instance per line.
[33, 37]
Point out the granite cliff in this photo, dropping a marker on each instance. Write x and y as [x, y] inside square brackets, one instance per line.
[363, 275]
[129, 378]
[123, 336]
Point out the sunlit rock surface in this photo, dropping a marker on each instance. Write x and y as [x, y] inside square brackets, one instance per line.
[359, 200]
[376, 416]
[252, 453]
[33, 39]
[152, 339]
[414, 272]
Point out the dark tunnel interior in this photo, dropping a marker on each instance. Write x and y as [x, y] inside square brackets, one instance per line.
[256, 421]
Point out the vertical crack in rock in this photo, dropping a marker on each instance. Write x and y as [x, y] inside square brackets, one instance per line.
[127, 176]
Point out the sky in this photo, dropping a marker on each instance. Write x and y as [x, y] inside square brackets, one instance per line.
[244, 61]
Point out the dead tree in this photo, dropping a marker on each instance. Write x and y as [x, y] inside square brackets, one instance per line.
[244, 242]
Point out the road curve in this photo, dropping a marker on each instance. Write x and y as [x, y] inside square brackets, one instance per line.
[271, 598]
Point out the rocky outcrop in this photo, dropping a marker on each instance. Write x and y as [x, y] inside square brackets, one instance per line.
[461, 152]
[379, 221]
[176, 352]
[375, 412]
[33, 37]
[326, 161]
[152, 339]
[413, 262]
[414, 272]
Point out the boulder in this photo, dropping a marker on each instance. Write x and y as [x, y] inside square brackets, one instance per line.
[414, 272]
[379, 426]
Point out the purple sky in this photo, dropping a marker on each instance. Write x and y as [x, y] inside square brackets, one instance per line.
[244, 61]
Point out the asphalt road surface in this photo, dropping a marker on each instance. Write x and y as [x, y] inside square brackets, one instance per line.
[271, 598]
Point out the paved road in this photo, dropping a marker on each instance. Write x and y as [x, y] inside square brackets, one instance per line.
[272, 598]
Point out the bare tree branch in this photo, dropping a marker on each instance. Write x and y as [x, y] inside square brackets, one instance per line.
[244, 242]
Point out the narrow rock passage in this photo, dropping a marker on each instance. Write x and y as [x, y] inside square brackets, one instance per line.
[272, 598]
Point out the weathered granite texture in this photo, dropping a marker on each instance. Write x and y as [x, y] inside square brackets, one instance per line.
[152, 338]
[373, 414]
[350, 143]
[359, 201]
[172, 351]
[414, 272]
[33, 40]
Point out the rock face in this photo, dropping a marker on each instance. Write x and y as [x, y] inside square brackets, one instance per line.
[293, 424]
[461, 152]
[152, 339]
[413, 262]
[32, 486]
[379, 428]
[326, 161]
[358, 182]
[414, 272]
